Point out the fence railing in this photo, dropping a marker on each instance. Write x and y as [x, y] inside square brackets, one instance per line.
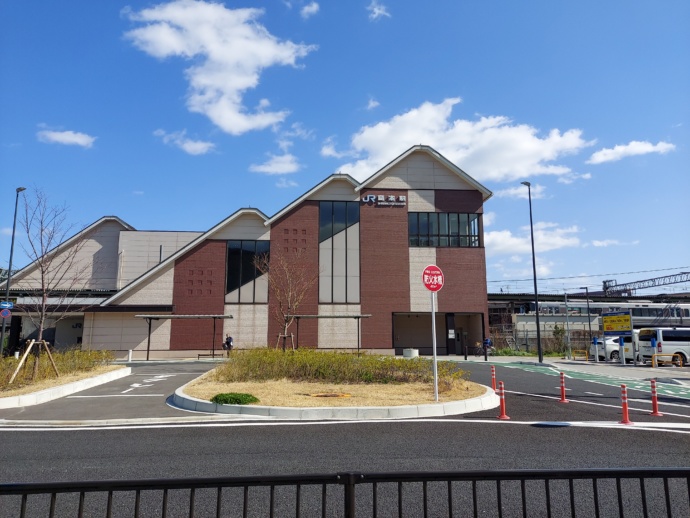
[588, 493]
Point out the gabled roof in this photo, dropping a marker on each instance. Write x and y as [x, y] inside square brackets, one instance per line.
[333, 178]
[486, 193]
[200, 239]
[69, 242]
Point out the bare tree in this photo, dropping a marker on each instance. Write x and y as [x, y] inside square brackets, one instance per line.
[290, 278]
[59, 272]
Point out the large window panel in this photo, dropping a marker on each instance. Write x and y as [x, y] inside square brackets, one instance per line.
[338, 246]
[441, 229]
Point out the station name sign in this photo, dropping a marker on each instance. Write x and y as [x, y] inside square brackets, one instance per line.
[385, 200]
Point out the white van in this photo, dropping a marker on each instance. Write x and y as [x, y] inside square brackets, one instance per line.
[668, 340]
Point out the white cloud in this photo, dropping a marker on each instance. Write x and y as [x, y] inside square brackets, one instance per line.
[547, 237]
[521, 191]
[632, 149]
[605, 242]
[68, 138]
[309, 10]
[377, 10]
[488, 218]
[229, 49]
[488, 149]
[277, 164]
[180, 140]
[328, 149]
[611, 242]
[138, 193]
[5, 231]
[373, 103]
[569, 178]
[284, 183]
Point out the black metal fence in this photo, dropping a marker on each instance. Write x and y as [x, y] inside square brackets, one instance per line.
[663, 492]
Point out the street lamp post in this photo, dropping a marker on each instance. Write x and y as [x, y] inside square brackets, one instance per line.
[9, 269]
[534, 272]
[589, 321]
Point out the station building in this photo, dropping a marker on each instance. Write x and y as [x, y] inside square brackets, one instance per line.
[177, 294]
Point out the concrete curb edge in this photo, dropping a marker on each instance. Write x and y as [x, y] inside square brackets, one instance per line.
[43, 396]
[486, 401]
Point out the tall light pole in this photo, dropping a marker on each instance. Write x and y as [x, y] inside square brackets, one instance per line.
[9, 269]
[534, 272]
[589, 321]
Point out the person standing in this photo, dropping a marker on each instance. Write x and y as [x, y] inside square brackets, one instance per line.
[227, 345]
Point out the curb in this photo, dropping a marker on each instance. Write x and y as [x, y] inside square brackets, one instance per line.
[485, 402]
[43, 396]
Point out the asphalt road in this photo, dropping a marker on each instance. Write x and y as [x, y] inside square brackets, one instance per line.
[542, 433]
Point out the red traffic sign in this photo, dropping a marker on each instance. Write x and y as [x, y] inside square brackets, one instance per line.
[5, 313]
[432, 277]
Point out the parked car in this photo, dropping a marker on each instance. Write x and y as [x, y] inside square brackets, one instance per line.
[606, 348]
[609, 349]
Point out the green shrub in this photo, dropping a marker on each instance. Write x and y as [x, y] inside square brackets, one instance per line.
[234, 398]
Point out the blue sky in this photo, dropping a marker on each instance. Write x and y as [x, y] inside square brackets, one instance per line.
[173, 115]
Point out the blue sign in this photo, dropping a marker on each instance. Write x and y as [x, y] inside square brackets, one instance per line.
[6, 304]
[5, 313]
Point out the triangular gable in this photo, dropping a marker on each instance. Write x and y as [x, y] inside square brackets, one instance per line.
[65, 245]
[329, 187]
[449, 171]
[216, 232]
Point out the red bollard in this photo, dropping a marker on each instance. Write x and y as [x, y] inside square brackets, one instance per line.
[624, 401]
[502, 398]
[655, 402]
[493, 377]
[563, 399]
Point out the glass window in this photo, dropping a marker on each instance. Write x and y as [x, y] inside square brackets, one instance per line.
[352, 212]
[339, 217]
[441, 229]
[423, 223]
[325, 220]
[412, 226]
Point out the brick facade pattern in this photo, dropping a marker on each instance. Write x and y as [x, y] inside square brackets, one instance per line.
[385, 267]
[297, 230]
[199, 289]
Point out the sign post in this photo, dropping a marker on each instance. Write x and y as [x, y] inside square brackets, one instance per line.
[619, 323]
[432, 277]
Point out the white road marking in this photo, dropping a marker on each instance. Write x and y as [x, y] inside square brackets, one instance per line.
[594, 394]
[118, 395]
[681, 428]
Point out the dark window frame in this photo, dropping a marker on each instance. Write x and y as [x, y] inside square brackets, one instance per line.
[444, 230]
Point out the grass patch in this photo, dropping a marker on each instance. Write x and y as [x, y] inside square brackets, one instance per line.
[68, 363]
[306, 365]
[234, 398]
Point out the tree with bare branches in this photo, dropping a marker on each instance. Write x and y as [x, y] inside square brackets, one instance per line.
[59, 270]
[290, 277]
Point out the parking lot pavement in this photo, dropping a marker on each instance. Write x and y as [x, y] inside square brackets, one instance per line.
[142, 394]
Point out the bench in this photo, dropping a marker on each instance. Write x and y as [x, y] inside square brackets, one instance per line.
[209, 355]
[654, 356]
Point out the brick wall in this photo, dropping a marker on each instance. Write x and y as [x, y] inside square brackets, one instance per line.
[464, 291]
[385, 267]
[199, 289]
[297, 230]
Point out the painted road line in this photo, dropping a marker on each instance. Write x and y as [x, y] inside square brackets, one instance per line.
[592, 403]
[594, 394]
[117, 395]
[683, 428]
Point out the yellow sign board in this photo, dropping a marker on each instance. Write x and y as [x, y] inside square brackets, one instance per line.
[617, 323]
